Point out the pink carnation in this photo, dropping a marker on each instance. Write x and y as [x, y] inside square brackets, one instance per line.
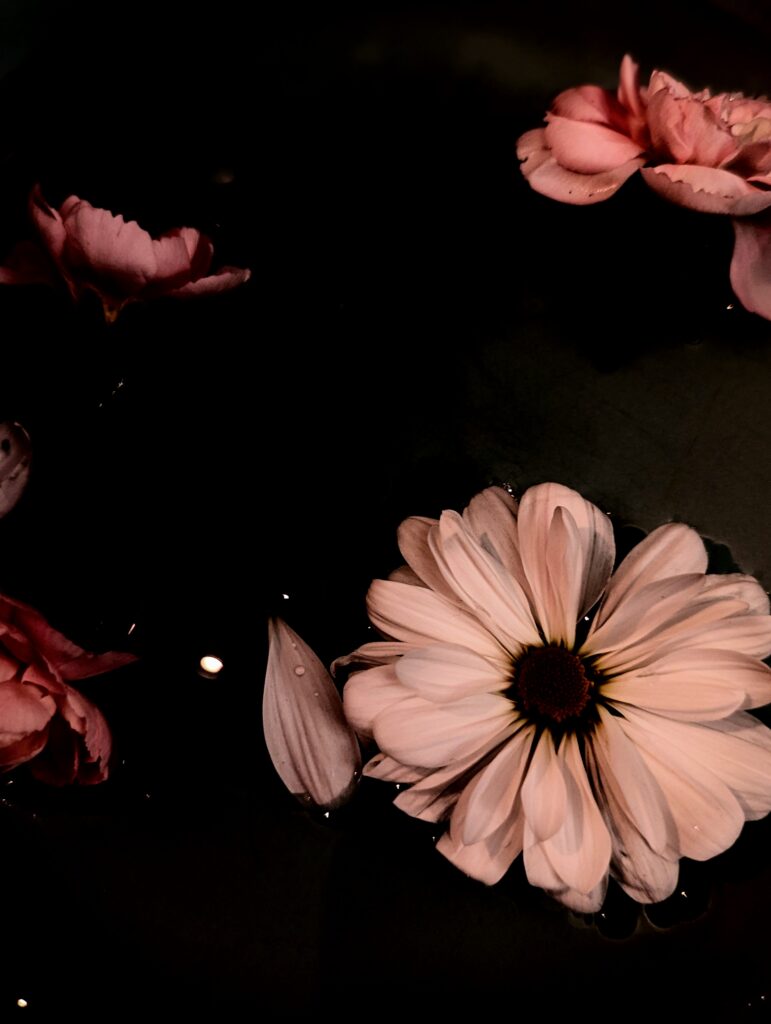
[95, 250]
[44, 720]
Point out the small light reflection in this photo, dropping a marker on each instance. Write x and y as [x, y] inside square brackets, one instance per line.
[285, 597]
[133, 627]
[22, 1003]
[211, 665]
[730, 305]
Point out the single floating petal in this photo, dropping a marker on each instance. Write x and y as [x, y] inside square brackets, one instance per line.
[312, 747]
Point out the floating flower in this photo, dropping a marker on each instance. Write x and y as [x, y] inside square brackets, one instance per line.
[95, 250]
[312, 747]
[44, 720]
[593, 141]
[594, 721]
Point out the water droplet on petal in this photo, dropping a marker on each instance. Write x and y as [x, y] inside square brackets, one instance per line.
[299, 670]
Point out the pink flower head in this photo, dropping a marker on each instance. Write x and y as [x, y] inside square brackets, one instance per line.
[312, 747]
[95, 250]
[593, 141]
[44, 720]
[594, 721]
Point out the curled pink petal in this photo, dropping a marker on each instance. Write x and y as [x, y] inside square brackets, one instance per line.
[707, 189]
[751, 265]
[588, 148]
[311, 745]
[223, 281]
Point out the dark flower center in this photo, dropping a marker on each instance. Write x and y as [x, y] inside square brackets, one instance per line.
[551, 683]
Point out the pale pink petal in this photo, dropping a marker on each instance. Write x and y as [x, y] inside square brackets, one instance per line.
[707, 814]
[383, 767]
[379, 652]
[625, 779]
[491, 517]
[492, 802]
[199, 250]
[368, 693]
[483, 585]
[671, 550]
[222, 280]
[403, 574]
[446, 672]
[413, 544]
[587, 560]
[588, 148]
[541, 873]
[707, 189]
[416, 615]
[695, 684]
[310, 743]
[579, 851]
[751, 266]
[434, 796]
[743, 588]
[739, 751]
[117, 252]
[543, 793]
[489, 860]
[433, 735]
[85, 719]
[15, 751]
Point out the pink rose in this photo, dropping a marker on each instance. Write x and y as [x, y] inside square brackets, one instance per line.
[95, 250]
[43, 720]
[593, 141]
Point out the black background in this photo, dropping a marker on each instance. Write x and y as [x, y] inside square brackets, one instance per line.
[418, 324]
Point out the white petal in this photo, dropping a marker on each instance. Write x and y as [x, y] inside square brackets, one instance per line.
[442, 672]
[482, 584]
[368, 693]
[310, 743]
[706, 812]
[544, 798]
[671, 550]
[492, 801]
[587, 566]
[421, 616]
[428, 735]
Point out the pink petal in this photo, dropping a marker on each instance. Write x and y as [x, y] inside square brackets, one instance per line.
[23, 710]
[629, 86]
[48, 223]
[368, 693]
[413, 544]
[706, 813]
[492, 801]
[85, 719]
[588, 148]
[743, 588]
[420, 616]
[751, 266]
[15, 751]
[403, 574]
[543, 794]
[446, 672]
[222, 281]
[120, 254]
[582, 558]
[199, 250]
[671, 550]
[738, 749]
[482, 584]
[433, 735]
[707, 189]
[590, 104]
[310, 743]
[545, 175]
[541, 873]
